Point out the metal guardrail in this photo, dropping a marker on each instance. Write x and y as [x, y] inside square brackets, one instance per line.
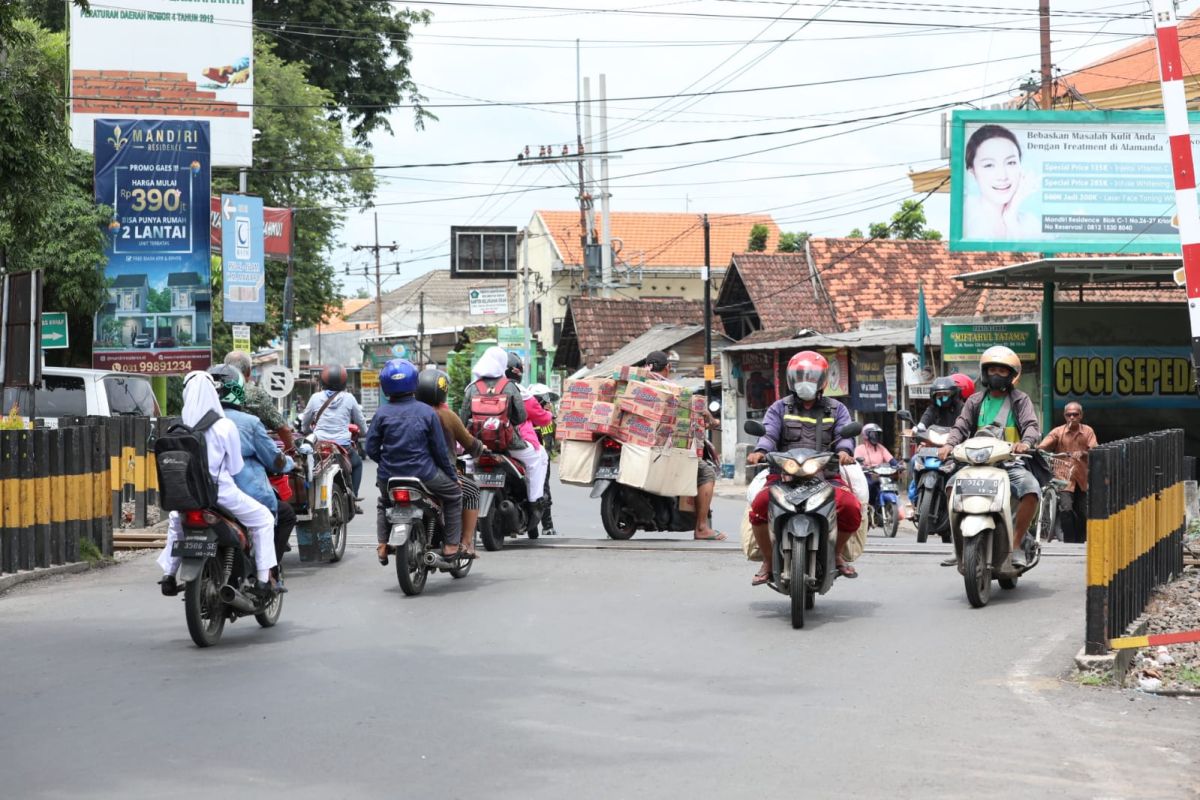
[1135, 529]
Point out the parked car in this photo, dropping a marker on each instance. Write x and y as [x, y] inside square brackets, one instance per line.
[164, 341]
[91, 392]
[141, 340]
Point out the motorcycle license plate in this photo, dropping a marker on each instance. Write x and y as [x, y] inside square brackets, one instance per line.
[607, 473]
[981, 487]
[490, 480]
[193, 548]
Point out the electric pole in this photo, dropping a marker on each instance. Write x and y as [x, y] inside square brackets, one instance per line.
[606, 265]
[377, 247]
[421, 333]
[708, 365]
[1047, 79]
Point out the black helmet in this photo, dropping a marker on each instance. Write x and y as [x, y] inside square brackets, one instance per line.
[432, 385]
[333, 377]
[943, 391]
[657, 360]
[229, 384]
[516, 368]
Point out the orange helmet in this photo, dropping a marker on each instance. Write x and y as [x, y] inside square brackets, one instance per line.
[807, 374]
[999, 356]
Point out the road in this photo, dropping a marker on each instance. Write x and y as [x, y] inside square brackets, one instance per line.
[578, 672]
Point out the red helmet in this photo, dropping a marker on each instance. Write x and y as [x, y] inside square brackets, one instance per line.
[807, 374]
[965, 384]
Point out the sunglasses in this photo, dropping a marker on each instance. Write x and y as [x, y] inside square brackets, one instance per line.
[1073, 414]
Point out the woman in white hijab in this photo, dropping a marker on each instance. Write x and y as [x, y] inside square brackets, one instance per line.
[224, 461]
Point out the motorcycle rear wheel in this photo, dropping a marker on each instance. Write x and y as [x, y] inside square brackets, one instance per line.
[339, 514]
[202, 605]
[491, 529]
[270, 614]
[977, 573]
[925, 514]
[411, 571]
[617, 522]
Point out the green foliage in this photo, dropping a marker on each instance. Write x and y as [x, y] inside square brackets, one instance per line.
[1188, 675]
[458, 367]
[758, 239]
[793, 242]
[89, 552]
[879, 230]
[1091, 679]
[907, 223]
[159, 300]
[855, 234]
[365, 72]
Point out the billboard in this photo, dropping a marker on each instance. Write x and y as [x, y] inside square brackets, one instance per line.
[243, 271]
[1062, 181]
[277, 230]
[186, 59]
[967, 342]
[155, 176]
[1124, 377]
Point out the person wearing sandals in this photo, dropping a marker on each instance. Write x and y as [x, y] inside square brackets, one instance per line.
[432, 387]
[406, 440]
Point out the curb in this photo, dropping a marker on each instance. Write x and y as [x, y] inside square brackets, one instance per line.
[17, 578]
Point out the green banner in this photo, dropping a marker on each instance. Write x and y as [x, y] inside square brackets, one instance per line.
[967, 342]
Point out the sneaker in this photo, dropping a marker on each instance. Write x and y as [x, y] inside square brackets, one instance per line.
[1018, 559]
[952, 561]
[169, 587]
[549, 532]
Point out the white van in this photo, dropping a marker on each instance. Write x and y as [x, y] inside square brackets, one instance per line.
[88, 392]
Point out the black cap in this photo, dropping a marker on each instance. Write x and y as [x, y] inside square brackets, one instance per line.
[657, 360]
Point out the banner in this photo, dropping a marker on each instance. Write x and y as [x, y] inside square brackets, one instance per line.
[839, 373]
[868, 386]
[1124, 377]
[1062, 181]
[277, 230]
[243, 272]
[490, 300]
[967, 342]
[155, 176]
[186, 59]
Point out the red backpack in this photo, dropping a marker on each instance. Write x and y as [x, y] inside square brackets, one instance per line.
[490, 420]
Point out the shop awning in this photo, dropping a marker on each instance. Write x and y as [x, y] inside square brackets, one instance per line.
[874, 337]
[1109, 271]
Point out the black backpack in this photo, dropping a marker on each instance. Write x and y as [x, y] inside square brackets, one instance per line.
[181, 455]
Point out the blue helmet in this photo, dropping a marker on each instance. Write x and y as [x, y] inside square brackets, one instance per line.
[398, 376]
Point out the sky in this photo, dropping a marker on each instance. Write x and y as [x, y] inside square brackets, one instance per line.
[860, 86]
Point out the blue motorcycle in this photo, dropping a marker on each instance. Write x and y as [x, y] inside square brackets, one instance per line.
[885, 505]
[927, 490]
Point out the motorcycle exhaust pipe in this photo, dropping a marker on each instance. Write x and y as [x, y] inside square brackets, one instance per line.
[435, 561]
[231, 596]
[512, 516]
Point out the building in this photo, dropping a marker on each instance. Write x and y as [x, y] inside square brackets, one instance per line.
[440, 301]
[595, 328]
[336, 340]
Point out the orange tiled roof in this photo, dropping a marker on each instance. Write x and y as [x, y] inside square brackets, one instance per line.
[1137, 63]
[663, 239]
[337, 319]
[603, 326]
[973, 302]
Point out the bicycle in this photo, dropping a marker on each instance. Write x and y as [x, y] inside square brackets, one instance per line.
[1046, 520]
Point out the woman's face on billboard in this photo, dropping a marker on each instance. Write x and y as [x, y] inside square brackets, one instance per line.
[997, 170]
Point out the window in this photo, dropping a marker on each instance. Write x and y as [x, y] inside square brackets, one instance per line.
[60, 396]
[129, 396]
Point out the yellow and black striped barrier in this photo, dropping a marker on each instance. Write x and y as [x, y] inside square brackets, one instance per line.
[52, 495]
[1134, 531]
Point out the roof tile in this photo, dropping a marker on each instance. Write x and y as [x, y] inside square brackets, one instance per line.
[603, 326]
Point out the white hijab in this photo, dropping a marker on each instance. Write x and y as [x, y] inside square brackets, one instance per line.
[199, 397]
[491, 364]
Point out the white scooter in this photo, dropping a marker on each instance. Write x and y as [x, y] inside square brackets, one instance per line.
[981, 517]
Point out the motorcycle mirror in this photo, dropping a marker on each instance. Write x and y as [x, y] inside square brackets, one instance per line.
[714, 407]
[850, 430]
[754, 428]
[904, 415]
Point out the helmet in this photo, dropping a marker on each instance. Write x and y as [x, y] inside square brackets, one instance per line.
[807, 374]
[516, 368]
[229, 384]
[965, 384]
[873, 432]
[943, 391]
[333, 377]
[398, 376]
[1003, 357]
[432, 386]
[543, 392]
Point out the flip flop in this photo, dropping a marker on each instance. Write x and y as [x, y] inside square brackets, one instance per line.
[467, 556]
[716, 537]
[759, 579]
[847, 571]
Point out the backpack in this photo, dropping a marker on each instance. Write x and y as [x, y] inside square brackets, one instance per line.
[490, 416]
[181, 456]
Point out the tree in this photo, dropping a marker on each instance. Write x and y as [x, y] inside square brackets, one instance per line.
[363, 293]
[356, 50]
[758, 238]
[793, 242]
[879, 230]
[907, 223]
[855, 234]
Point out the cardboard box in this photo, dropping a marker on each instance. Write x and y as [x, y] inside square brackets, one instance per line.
[567, 407]
[577, 462]
[653, 401]
[635, 429]
[603, 418]
[573, 434]
[633, 374]
[573, 418]
[591, 390]
[698, 405]
[664, 471]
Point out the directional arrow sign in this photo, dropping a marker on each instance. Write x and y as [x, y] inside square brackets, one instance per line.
[54, 330]
[229, 209]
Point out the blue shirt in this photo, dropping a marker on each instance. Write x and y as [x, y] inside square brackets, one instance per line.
[407, 441]
[259, 452]
[336, 419]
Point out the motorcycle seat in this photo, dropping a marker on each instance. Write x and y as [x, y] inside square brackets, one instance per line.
[234, 524]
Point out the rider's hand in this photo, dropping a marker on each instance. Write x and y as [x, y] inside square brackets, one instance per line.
[1021, 447]
[845, 458]
[944, 452]
[755, 457]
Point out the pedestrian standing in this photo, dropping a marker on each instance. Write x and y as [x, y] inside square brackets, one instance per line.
[1075, 439]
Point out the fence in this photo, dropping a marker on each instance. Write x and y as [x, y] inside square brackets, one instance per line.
[1134, 531]
[53, 494]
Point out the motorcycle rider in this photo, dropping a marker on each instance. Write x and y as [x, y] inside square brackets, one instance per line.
[535, 417]
[806, 418]
[331, 413]
[224, 447]
[545, 398]
[260, 455]
[872, 453]
[490, 368]
[1000, 368]
[406, 440]
[432, 388]
[258, 402]
[945, 402]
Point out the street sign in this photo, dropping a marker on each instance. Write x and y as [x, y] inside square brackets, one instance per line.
[54, 330]
[242, 264]
[241, 338]
[369, 382]
[710, 372]
[488, 300]
[276, 381]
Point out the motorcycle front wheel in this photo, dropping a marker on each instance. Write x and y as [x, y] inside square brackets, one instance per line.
[891, 519]
[411, 571]
[203, 607]
[799, 589]
[617, 521]
[925, 515]
[977, 573]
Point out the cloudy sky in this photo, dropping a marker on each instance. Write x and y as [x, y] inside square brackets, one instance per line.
[836, 101]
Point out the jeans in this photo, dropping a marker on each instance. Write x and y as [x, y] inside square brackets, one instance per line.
[355, 469]
[448, 489]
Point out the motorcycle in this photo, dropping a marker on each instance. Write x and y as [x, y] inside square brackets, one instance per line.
[929, 479]
[803, 523]
[885, 511]
[217, 574]
[323, 497]
[624, 510]
[415, 517]
[981, 517]
[504, 508]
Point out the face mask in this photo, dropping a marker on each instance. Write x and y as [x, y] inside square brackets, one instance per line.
[806, 390]
[999, 383]
[941, 401]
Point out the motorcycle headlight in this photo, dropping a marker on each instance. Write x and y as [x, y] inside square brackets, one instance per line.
[819, 499]
[810, 466]
[779, 495]
[979, 455]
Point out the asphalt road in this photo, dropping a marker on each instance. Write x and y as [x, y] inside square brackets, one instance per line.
[577, 672]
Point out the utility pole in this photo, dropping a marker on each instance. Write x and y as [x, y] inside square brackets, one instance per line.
[377, 247]
[606, 265]
[585, 201]
[289, 293]
[1047, 80]
[421, 333]
[707, 317]
[527, 361]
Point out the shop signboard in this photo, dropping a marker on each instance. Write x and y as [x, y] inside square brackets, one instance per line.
[369, 388]
[488, 301]
[868, 385]
[243, 270]
[154, 174]
[967, 342]
[277, 230]
[1062, 181]
[1124, 377]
